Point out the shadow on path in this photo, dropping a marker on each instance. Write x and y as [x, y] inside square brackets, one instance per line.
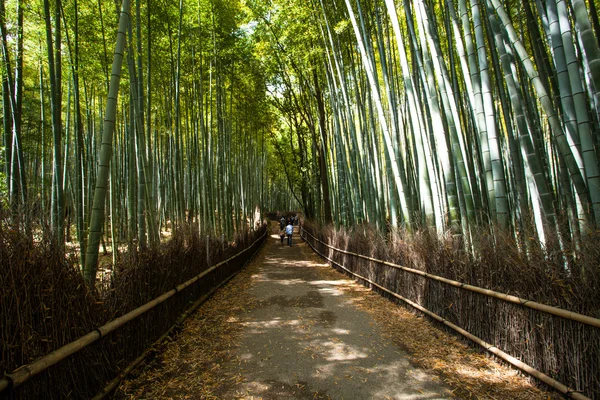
[290, 327]
[305, 339]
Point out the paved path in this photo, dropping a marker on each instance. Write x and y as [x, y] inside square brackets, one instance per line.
[306, 339]
[289, 327]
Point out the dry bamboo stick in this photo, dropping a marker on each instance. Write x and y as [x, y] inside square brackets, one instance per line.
[585, 319]
[489, 347]
[25, 372]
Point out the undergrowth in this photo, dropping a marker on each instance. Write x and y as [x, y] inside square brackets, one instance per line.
[45, 304]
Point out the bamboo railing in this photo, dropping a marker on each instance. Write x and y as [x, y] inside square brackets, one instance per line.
[585, 319]
[26, 372]
[502, 296]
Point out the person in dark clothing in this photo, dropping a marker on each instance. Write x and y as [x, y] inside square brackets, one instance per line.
[282, 224]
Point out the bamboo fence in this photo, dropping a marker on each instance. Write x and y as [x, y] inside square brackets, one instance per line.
[24, 373]
[594, 322]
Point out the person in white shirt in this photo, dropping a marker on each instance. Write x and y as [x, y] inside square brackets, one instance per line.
[289, 230]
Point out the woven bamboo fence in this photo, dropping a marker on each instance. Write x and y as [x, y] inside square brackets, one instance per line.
[557, 346]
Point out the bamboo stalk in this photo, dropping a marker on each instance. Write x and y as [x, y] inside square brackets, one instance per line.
[489, 347]
[573, 316]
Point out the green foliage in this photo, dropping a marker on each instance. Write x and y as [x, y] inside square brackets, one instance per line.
[341, 26]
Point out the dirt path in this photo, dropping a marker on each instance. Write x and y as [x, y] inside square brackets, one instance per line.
[288, 326]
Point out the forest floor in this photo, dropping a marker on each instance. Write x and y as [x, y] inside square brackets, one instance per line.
[289, 326]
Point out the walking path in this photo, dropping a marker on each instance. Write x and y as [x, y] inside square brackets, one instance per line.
[288, 327]
[307, 337]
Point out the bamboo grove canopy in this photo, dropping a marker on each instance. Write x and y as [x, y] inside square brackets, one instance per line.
[426, 113]
[448, 114]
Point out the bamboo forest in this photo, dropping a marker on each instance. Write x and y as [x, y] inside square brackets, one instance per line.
[303, 199]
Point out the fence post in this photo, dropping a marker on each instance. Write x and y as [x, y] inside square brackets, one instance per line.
[223, 242]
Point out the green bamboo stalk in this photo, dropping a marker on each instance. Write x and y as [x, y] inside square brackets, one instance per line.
[399, 179]
[97, 217]
[571, 158]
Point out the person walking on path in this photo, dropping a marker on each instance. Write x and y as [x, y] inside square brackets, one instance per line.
[282, 229]
[289, 230]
